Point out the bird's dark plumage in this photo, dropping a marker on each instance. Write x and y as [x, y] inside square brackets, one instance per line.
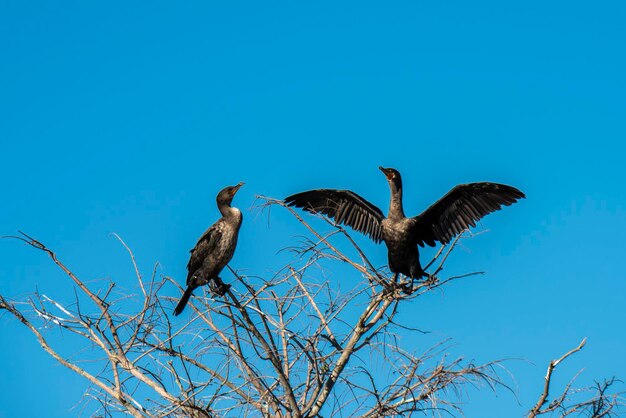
[344, 207]
[458, 210]
[214, 249]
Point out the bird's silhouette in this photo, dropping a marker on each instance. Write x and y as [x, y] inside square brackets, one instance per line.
[455, 212]
[214, 249]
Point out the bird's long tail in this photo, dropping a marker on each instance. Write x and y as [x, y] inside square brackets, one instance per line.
[183, 301]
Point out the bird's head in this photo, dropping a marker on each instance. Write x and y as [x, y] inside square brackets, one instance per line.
[225, 196]
[393, 177]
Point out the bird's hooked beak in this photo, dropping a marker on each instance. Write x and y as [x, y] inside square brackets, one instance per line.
[386, 172]
[237, 187]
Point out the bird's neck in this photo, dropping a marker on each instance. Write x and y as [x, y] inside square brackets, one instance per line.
[228, 211]
[395, 204]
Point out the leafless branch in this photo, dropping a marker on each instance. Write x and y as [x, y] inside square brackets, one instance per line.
[295, 344]
[601, 404]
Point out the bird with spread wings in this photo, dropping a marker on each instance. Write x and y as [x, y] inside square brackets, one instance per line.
[455, 212]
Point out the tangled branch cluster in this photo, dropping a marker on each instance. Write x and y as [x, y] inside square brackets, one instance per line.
[291, 345]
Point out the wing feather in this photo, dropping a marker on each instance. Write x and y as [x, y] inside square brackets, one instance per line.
[460, 209]
[205, 246]
[344, 206]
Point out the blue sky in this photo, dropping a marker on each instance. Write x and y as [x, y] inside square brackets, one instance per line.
[128, 118]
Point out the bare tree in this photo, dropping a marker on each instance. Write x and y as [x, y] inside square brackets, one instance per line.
[290, 345]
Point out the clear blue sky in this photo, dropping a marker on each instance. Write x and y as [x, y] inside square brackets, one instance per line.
[129, 117]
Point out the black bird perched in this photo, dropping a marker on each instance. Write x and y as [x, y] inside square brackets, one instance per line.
[214, 249]
[459, 209]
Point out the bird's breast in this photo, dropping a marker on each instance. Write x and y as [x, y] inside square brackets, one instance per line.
[225, 248]
[230, 233]
[396, 231]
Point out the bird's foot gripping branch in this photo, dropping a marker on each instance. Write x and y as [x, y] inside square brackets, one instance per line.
[218, 287]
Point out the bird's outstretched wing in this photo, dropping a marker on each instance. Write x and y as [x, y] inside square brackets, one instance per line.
[344, 206]
[459, 209]
[205, 245]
